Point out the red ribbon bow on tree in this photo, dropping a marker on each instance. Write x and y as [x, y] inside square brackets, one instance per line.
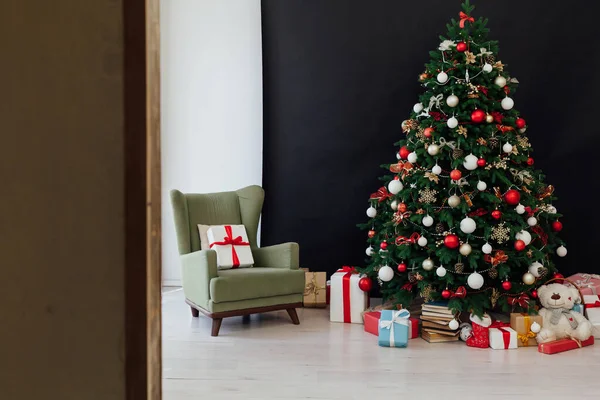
[400, 216]
[400, 240]
[498, 258]
[401, 167]
[541, 234]
[498, 117]
[504, 128]
[461, 293]
[436, 115]
[531, 212]
[464, 18]
[229, 239]
[381, 194]
[522, 301]
[478, 213]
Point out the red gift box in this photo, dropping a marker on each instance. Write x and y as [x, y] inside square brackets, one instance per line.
[558, 346]
[371, 321]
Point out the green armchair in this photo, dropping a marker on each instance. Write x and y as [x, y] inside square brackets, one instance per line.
[274, 283]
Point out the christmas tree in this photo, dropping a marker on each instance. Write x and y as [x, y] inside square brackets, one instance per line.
[463, 215]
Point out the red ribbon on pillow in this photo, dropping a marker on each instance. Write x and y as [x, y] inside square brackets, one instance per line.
[505, 334]
[229, 239]
[346, 290]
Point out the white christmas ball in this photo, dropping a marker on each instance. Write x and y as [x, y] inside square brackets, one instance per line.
[428, 264]
[523, 130]
[500, 81]
[452, 123]
[452, 100]
[507, 103]
[454, 201]
[551, 210]
[466, 331]
[453, 324]
[395, 186]
[535, 327]
[475, 281]
[394, 205]
[531, 221]
[418, 107]
[470, 162]
[465, 249]
[507, 148]
[436, 169]
[524, 236]
[427, 220]
[397, 156]
[412, 157]
[487, 68]
[371, 212]
[520, 209]
[433, 149]
[468, 225]
[481, 186]
[486, 248]
[534, 269]
[442, 77]
[561, 251]
[528, 278]
[369, 251]
[422, 241]
[386, 273]
[440, 271]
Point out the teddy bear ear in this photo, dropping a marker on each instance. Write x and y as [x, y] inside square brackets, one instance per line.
[541, 291]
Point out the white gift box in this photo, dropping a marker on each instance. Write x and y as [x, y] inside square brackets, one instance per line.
[503, 338]
[232, 246]
[347, 301]
[592, 312]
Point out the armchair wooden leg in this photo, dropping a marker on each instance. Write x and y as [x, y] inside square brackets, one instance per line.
[294, 316]
[195, 312]
[216, 325]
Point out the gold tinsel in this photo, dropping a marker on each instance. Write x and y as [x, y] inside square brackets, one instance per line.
[494, 297]
[462, 131]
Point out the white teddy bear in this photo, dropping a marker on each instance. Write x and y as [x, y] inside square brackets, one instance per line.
[559, 320]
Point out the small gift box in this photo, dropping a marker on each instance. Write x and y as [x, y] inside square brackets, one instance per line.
[393, 328]
[314, 289]
[232, 246]
[578, 308]
[371, 321]
[592, 312]
[502, 336]
[558, 346]
[521, 323]
[347, 300]
[587, 283]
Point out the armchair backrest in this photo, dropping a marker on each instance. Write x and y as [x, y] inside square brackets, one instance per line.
[226, 208]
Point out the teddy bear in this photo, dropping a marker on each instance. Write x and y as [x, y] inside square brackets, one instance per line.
[559, 320]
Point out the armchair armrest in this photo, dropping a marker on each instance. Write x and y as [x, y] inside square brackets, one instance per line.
[197, 270]
[285, 255]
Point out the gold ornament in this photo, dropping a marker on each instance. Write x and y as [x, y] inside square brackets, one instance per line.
[420, 211]
[423, 76]
[523, 141]
[432, 177]
[420, 134]
[529, 253]
[494, 297]
[489, 119]
[543, 272]
[457, 153]
[469, 57]
[439, 228]
[461, 130]
[427, 196]
[473, 92]
[481, 141]
[426, 293]
[499, 66]
[490, 59]
[459, 268]
[493, 142]
[528, 278]
[500, 233]
[545, 192]
[493, 273]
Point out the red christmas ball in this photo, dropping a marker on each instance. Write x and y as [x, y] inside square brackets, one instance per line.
[496, 214]
[371, 234]
[519, 245]
[534, 294]
[481, 163]
[530, 161]
[557, 226]
[461, 46]
[478, 116]
[404, 152]
[455, 175]
[402, 207]
[428, 132]
[506, 285]
[401, 267]
[383, 245]
[512, 197]
[520, 122]
[446, 294]
[365, 284]
[451, 241]
[559, 277]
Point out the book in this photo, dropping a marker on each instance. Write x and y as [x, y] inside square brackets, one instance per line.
[436, 309]
[432, 337]
[441, 332]
[436, 325]
[436, 315]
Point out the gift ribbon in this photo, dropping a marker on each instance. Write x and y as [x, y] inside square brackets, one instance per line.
[461, 293]
[505, 333]
[313, 287]
[346, 290]
[230, 240]
[381, 194]
[434, 101]
[524, 337]
[593, 305]
[398, 317]
[521, 301]
[464, 18]
[498, 258]
[504, 128]
[400, 240]
[541, 234]
[444, 142]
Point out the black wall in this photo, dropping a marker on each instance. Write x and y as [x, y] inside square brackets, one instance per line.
[341, 75]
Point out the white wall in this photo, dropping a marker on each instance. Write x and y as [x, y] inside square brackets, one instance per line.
[211, 62]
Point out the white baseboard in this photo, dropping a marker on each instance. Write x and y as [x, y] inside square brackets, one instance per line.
[171, 282]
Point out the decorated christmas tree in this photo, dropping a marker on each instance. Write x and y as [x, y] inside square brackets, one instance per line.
[463, 215]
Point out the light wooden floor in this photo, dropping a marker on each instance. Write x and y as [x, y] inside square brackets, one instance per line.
[269, 358]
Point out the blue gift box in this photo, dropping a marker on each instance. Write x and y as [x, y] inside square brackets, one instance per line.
[393, 328]
[579, 308]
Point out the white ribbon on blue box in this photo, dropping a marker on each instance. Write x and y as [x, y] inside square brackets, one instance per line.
[393, 328]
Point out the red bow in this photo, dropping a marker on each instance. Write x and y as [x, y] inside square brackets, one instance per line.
[499, 258]
[460, 293]
[436, 115]
[478, 213]
[407, 286]
[541, 234]
[504, 128]
[400, 240]
[347, 268]
[531, 212]
[381, 194]
[229, 239]
[464, 18]
[498, 324]
[498, 117]
[522, 301]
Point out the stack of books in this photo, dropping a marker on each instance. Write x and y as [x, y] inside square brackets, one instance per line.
[435, 317]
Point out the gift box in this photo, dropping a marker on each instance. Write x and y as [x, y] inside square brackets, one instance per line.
[394, 328]
[314, 289]
[578, 308]
[232, 246]
[587, 283]
[592, 312]
[558, 346]
[347, 300]
[502, 336]
[521, 323]
[371, 321]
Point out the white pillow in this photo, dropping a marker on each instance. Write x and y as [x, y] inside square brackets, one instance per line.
[202, 230]
[232, 246]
